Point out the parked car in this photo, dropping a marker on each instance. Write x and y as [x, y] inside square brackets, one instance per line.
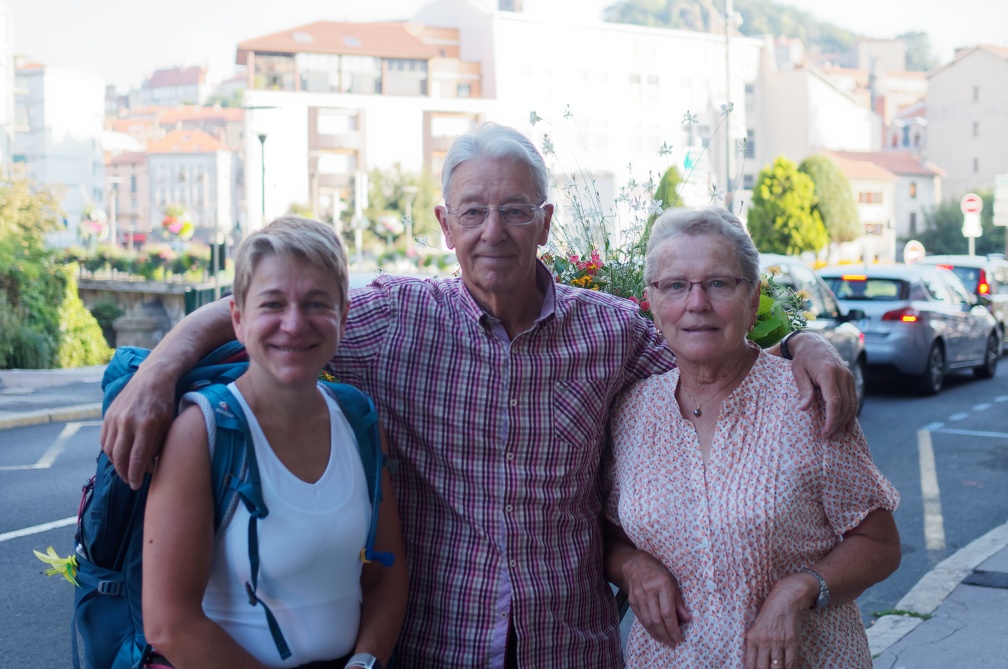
[987, 277]
[919, 320]
[828, 318]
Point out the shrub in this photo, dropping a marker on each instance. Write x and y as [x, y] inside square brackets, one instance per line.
[81, 341]
[105, 312]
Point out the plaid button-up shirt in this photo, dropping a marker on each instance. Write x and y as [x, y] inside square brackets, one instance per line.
[499, 444]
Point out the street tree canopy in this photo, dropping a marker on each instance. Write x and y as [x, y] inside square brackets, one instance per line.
[833, 199]
[781, 218]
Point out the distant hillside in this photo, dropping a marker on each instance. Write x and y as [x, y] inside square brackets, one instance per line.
[760, 17]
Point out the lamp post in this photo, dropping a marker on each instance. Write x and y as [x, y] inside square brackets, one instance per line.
[409, 193]
[262, 160]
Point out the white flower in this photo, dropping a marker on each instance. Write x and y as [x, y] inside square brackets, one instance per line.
[534, 118]
[568, 113]
[740, 146]
[547, 145]
[690, 119]
[727, 108]
[665, 149]
[654, 208]
[716, 194]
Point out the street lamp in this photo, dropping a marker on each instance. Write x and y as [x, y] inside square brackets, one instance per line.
[262, 160]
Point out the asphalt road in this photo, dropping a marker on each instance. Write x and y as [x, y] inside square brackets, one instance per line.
[948, 456]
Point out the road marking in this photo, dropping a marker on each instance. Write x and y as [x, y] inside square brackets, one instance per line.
[55, 450]
[38, 529]
[934, 524]
[1001, 398]
[958, 416]
[933, 427]
[982, 407]
[973, 433]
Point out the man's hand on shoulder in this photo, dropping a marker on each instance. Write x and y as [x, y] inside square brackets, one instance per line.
[818, 367]
[135, 424]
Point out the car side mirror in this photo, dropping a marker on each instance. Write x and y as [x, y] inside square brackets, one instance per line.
[984, 300]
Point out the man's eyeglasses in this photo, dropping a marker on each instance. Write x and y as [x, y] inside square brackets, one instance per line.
[510, 214]
[717, 288]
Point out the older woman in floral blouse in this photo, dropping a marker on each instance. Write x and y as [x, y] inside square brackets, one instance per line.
[719, 482]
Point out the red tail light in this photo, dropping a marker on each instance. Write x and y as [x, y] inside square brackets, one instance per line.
[906, 315]
[983, 288]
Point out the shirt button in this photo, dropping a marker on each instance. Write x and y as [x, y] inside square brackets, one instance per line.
[513, 563]
[503, 614]
[510, 456]
[514, 403]
[508, 508]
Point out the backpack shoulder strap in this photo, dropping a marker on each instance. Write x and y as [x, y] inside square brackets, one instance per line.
[235, 474]
[362, 415]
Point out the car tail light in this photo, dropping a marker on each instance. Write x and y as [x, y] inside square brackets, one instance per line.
[983, 288]
[905, 315]
[948, 267]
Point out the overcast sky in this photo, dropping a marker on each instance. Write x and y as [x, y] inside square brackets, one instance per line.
[124, 40]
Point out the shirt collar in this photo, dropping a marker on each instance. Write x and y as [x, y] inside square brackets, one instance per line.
[544, 280]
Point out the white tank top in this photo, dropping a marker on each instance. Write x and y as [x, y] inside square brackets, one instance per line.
[309, 554]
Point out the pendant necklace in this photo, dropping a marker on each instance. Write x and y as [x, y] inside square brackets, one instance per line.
[699, 405]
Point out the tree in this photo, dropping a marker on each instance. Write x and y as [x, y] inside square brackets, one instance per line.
[833, 199]
[42, 320]
[918, 51]
[943, 229]
[781, 219]
[386, 197]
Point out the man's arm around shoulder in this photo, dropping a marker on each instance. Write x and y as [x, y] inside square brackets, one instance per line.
[136, 422]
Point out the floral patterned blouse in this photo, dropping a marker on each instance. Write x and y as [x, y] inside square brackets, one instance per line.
[773, 497]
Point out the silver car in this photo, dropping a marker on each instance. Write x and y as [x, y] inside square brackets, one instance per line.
[919, 320]
[987, 277]
[828, 318]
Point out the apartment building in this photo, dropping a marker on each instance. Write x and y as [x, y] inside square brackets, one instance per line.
[967, 119]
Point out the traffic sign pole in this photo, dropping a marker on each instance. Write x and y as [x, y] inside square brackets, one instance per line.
[971, 206]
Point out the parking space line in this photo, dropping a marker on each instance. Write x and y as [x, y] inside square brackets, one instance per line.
[973, 433]
[38, 529]
[54, 451]
[934, 523]
[959, 416]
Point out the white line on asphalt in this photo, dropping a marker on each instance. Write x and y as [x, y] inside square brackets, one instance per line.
[934, 524]
[54, 451]
[982, 407]
[1001, 398]
[959, 416]
[973, 433]
[931, 427]
[38, 529]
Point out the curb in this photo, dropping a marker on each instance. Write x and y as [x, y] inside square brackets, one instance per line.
[925, 597]
[26, 419]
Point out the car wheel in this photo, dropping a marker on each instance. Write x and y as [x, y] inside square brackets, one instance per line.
[859, 383]
[991, 355]
[931, 381]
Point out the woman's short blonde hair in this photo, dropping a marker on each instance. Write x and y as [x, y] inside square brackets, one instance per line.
[710, 221]
[309, 241]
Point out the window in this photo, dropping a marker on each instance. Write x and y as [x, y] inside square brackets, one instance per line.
[464, 91]
[976, 94]
[133, 183]
[913, 190]
[865, 197]
[976, 165]
[750, 148]
[976, 128]
[913, 223]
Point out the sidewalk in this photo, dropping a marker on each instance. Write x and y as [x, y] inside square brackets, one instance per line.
[965, 595]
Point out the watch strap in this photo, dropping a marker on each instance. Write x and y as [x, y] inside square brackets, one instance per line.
[785, 348]
[363, 661]
[823, 599]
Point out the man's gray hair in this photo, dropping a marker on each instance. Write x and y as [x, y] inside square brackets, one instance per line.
[490, 141]
[710, 221]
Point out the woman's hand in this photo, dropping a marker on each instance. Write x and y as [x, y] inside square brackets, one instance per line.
[655, 598]
[818, 366]
[773, 641]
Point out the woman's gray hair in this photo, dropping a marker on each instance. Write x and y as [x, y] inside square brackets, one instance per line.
[490, 141]
[710, 221]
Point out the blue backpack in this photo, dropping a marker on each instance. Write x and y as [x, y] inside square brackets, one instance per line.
[109, 537]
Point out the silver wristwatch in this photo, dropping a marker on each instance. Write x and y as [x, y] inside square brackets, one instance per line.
[364, 661]
[822, 601]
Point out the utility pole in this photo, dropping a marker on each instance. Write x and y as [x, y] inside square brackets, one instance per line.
[729, 20]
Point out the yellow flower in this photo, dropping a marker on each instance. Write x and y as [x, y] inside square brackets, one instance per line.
[65, 567]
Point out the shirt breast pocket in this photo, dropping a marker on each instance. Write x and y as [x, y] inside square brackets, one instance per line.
[579, 411]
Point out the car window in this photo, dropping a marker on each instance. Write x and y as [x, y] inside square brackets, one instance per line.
[811, 290]
[936, 288]
[860, 287]
[970, 276]
[958, 291]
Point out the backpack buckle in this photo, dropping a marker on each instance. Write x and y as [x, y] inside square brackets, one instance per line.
[110, 588]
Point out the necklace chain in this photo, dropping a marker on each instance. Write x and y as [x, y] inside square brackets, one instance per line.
[699, 405]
